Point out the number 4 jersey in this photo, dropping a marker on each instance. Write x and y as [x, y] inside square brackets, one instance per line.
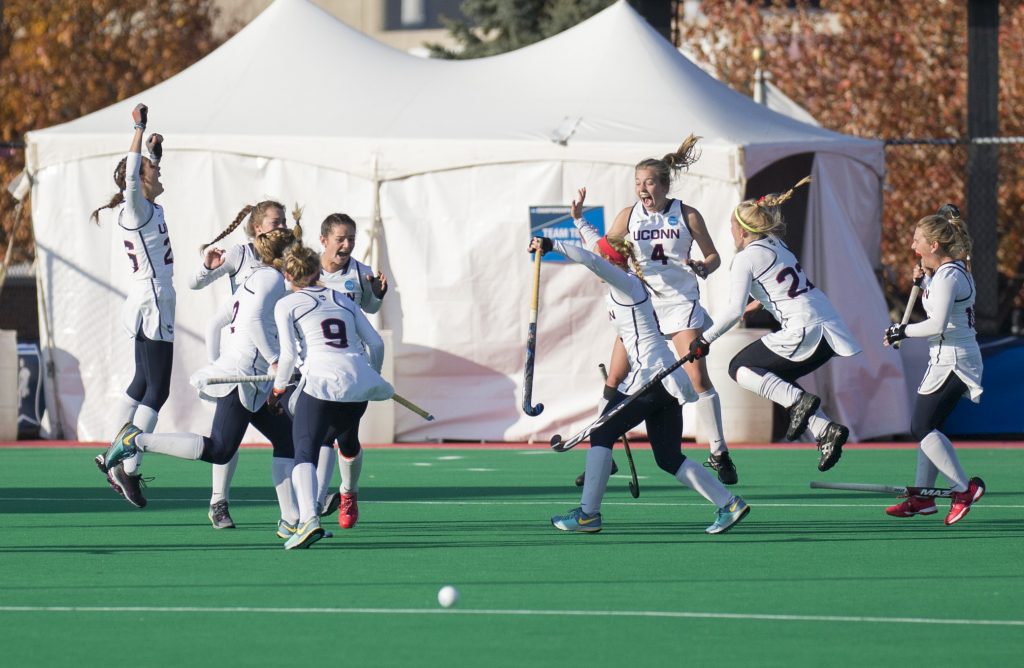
[341, 351]
[769, 272]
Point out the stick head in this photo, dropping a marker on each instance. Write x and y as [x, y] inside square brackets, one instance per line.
[532, 411]
[556, 443]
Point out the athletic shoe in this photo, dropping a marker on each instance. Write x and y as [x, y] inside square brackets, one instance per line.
[830, 445]
[307, 534]
[123, 446]
[581, 478]
[577, 520]
[348, 514]
[962, 501]
[800, 413]
[915, 505]
[129, 483]
[729, 516]
[103, 469]
[722, 464]
[285, 529]
[331, 504]
[220, 518]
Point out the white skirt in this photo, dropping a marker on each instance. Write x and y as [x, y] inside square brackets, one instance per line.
[799, 343]
[945, 358]
[150, 307]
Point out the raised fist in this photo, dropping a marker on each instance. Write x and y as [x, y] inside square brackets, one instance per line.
[139, 115]
[155, 146]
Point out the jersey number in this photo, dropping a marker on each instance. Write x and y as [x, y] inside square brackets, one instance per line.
[795, 276]
[334, 332]
[131, 255]
[234, 314]
[970, 316]
[658, 253]
[169, 255]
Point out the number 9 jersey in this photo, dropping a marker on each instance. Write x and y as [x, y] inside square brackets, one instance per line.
[341, 351]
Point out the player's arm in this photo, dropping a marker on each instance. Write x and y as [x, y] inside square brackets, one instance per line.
[138, 208]
[941, 298]
[372, 342]
[699, 232]
[268, 288]
[216, 263]
[374, 287]
[740, 277]
[284, 318]
[221, 319]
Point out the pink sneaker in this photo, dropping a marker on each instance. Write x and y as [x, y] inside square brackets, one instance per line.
[915, 505]
[962, 500]
[348, 512]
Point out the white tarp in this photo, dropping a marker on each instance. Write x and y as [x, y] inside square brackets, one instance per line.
[302, 108]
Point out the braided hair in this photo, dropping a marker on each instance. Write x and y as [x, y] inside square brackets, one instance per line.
[763, 216]
[273, 245]
[302, 264]
[255, 212]
[119, 180]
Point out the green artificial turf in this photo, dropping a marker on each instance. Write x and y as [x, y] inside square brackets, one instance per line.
[810, 578]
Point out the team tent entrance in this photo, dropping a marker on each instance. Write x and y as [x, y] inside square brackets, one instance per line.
[440, 162]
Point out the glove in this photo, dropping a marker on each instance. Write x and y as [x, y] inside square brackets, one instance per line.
[699, 347]
[139, 114]
[546, 245]
[155, 147]
[699, 268]
[896, 332]
[274, 401]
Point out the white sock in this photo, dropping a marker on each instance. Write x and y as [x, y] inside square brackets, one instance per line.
[940, 451]
[768, 386]
[304, 484]
[926, 474]
[709, 412]
[145, 419]
[222, 475]
[817, 423]
[124, 411]
[281, 474]
[182, 446]
[597, 470]
[697, 478]
[325, 472]
[350, 470]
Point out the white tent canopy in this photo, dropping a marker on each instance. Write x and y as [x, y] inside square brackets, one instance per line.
[440, 161]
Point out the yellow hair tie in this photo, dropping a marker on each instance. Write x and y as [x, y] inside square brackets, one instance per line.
[743, 223]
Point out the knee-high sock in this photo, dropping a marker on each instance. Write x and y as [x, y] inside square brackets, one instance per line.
[304, 484]
[350, 470]
[124, 411]
[697, 478]
[324, 472]
[182, 446]
[709, 412]
[145, 419]
[597, 470]
[222, 476]
[926, 474]
[818, 422]
[941, 453]
[768, 386]
[281, 474]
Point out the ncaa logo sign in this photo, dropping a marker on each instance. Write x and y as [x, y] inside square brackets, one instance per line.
[350, 285]
[673, 220]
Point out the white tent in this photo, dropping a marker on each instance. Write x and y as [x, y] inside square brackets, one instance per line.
[439, 161]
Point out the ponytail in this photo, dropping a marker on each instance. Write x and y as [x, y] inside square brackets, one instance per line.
[763, 216]
[681, 158]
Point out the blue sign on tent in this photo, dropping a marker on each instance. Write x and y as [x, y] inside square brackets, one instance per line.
[554, 222]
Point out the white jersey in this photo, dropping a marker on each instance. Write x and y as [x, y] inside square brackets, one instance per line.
[948, 300]
[251, 342]
[342, 353]
[664, 241]
[150, 303]
[351, 280]
[632, 314]
[239, 262]
[769, 272]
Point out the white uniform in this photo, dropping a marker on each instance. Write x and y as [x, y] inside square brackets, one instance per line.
[239, 261]
[949, 302]
[342, 353]
[150, 303]
[664, 241]
[251, 343]
[351, 280]
[769, 272]
[632, 314]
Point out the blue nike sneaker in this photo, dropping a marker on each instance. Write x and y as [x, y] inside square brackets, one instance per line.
[123, 446]
[577, 520]
[305, 535]
[729, 516]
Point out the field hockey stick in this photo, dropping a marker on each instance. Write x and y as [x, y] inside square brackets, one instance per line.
[399, 399]
[634, 484]
[911, 300]
[531, 343]
[558, 445]
[897, 490]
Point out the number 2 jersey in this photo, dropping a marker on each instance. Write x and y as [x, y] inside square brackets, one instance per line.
[149, 306]
[769, 272]
[948, 300]
[341, 352]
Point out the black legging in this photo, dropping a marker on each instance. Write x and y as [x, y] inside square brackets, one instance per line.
[151, 384]
[931, 410]
[230, 421]
[758, 357]
[664, 419]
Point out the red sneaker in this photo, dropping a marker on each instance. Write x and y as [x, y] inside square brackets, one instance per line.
[348, 512]
[962, 500]
[915, 505]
